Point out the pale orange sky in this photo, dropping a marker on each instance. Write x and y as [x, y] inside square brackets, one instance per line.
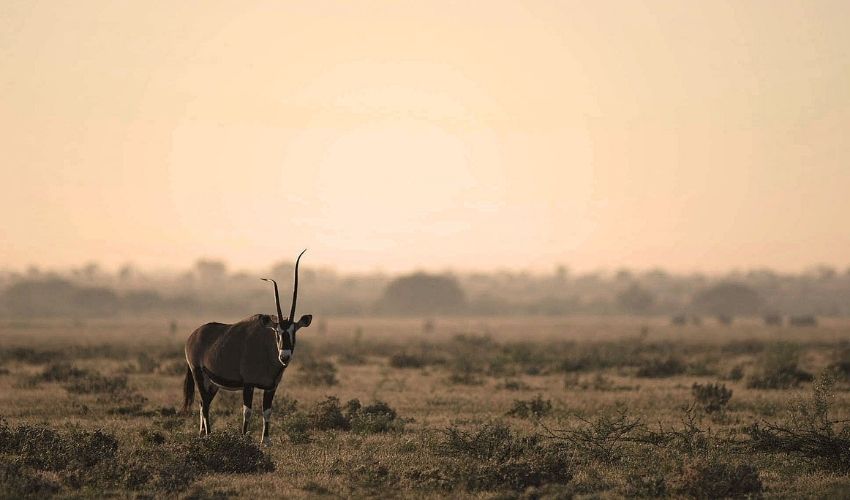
[691, 135]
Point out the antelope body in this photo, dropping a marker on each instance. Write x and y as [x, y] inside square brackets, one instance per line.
[252, 353]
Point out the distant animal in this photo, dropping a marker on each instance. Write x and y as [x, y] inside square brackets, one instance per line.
[803, 320]
[252, 353]
[773, 319]
[679, 320]
[724, 319]
[696, 320]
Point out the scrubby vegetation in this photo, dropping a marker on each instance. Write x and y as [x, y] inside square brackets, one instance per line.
[533, 408]
[315, 371]
[541, 410]
[712, 397]
[779, 369]
[495, 457]
[37, 460]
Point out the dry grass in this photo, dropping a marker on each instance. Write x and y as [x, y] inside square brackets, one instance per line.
[509, 407]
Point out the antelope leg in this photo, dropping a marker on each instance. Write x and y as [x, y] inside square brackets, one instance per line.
[268, 396]
[247, 400]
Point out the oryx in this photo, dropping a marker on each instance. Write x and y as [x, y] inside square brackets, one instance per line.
[252, 353]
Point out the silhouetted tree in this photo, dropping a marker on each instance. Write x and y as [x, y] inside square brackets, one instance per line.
[57, 297]
[39, 297]
[211, 271]
[728, 298]
[422, 293]
[635, 299]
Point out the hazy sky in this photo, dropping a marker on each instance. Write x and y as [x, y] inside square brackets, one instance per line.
[693, 135]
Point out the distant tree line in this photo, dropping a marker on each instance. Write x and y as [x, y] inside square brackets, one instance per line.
[210, 288]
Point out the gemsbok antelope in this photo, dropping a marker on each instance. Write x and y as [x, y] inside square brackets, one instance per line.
[252, 353]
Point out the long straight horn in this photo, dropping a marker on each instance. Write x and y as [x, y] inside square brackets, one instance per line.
[276, 300]
[295, 287]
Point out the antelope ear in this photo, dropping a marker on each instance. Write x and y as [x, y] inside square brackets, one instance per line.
[266, 320]
[305, 320]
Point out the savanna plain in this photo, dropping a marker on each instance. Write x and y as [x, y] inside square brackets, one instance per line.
[514, 407]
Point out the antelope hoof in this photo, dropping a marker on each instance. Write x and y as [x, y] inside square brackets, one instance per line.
[266, 441]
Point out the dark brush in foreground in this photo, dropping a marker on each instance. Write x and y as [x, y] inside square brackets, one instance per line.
[252, 353]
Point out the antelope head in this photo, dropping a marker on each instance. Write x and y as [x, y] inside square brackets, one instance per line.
[286, 328]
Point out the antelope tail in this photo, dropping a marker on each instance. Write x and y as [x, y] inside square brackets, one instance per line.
[188, 390]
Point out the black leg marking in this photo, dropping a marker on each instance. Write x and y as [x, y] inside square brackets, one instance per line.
[268, 397]
[207, 392]
[247, 401]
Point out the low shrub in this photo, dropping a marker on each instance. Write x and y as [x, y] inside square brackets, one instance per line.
[493, 457]
[45, 448]
[643, 485]
[712, 397]
[61, 372]
[296, 426]
[532, 408]
[286, 405]
[513, 385]
[465, 371]
[317, 372]
[174, 367]
[375, 418]
[736, 373]
[779, 369]
[661, 368]
[604, 438]
[711, 478]
[79, 459]
[18, 481]
[327, 415]
[808, 432]
[405, 360]
[371, 474]
[95, 383]
[351, 358]
[228, 453]
[179, 462]
[840, 367]
[145, 363]
[152, 437]
[28, 355]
